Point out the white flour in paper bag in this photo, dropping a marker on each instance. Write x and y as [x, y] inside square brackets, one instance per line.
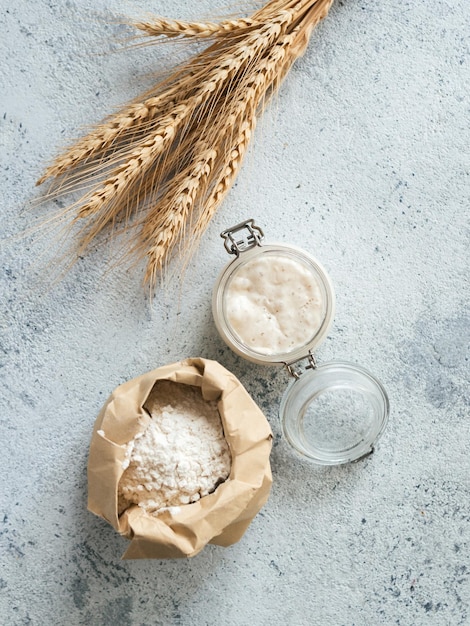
[180, 457]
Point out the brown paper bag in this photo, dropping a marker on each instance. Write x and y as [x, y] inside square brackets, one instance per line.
[221, 517]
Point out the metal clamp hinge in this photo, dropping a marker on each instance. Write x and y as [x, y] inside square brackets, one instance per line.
[242, 237]
[365, 455]
[297, 372]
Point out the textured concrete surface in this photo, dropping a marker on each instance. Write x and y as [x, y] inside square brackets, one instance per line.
[362, 159]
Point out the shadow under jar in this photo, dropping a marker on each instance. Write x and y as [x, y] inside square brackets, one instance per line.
[273, 305]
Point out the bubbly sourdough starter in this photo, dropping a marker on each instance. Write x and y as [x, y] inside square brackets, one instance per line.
[274, 304]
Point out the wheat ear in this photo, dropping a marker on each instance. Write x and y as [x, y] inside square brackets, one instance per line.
[160, 26]
[102, 137]
[162, 233]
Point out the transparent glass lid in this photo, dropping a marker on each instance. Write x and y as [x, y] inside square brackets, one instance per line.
[334, 413]
[273, 304]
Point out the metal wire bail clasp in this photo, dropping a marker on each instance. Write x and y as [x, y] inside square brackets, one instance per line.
[297, 372]
[242, 237]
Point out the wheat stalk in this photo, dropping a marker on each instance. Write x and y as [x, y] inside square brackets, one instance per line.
[168, 159]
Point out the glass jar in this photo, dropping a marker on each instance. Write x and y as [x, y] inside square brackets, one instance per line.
[273, 304]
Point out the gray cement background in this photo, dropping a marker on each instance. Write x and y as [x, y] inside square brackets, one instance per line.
[362, 159]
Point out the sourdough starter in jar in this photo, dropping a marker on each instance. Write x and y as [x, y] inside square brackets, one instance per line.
[274, 304]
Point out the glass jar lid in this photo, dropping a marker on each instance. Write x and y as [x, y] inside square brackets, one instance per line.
[334, 413]
[273, 303]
